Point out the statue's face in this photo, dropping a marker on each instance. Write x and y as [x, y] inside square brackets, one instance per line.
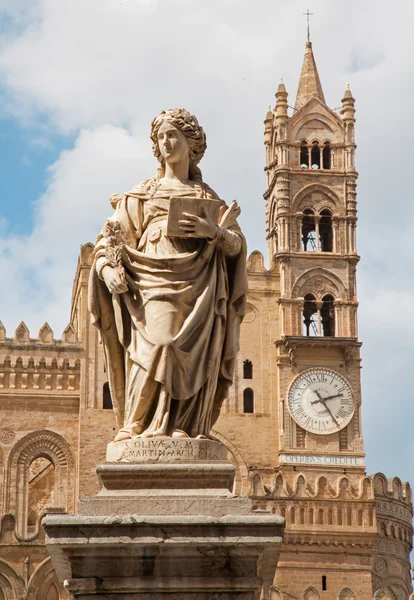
[172, 143]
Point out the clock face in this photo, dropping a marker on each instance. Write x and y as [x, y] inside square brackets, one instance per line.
[321, 401]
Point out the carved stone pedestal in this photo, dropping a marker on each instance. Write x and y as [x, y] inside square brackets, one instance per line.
[165, 526]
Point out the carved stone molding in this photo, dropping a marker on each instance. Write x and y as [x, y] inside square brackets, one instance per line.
[7, 436]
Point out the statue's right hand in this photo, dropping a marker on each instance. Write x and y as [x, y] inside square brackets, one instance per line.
[114, 280]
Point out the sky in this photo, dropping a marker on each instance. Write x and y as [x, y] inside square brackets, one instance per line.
[81, 80]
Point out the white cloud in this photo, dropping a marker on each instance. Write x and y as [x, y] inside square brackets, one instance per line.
[37, 270]
[102, 69]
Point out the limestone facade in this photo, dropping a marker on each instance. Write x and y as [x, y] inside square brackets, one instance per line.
[348, 535]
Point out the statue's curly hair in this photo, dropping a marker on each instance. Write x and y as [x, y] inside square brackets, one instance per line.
[188, 125]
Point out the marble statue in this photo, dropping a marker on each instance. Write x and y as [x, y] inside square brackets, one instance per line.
[169, 308]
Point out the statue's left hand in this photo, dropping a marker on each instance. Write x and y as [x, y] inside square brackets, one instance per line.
[202, 227]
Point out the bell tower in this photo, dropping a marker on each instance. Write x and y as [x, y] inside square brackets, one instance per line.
[311, 233]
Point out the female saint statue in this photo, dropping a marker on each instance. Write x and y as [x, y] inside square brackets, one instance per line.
[169, 308]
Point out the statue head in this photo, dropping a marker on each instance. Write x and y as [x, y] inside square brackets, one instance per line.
[188, 125]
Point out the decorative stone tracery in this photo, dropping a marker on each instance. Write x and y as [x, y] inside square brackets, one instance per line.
[11, 583]
[55, 448]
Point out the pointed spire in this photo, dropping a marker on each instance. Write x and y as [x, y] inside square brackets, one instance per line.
[348, 105]
[309, 82]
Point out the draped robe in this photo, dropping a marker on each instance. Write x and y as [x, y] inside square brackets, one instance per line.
[170, 341]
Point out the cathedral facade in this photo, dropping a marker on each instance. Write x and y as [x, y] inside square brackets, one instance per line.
[292, 422]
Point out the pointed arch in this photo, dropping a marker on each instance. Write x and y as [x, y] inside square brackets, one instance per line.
[346, 594]
[310, 594]
[10, 581]
[39, 444]
[279, 487]
[319, 282]
[241, 482]
[86, 253]
[257, 488]
[43, 582]
[255, 263]
[384, 594]
[276, 594]
[299, 486]
[319, 197]
[315, 110]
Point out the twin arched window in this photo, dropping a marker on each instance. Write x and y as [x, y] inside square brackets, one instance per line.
[315, 155]
[319, 317]
[317, 234]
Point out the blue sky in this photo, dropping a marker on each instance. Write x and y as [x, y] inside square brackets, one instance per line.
[79, 84]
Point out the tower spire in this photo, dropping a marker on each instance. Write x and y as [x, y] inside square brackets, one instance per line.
[309, 82]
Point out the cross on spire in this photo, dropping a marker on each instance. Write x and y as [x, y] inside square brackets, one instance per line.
[308, 14]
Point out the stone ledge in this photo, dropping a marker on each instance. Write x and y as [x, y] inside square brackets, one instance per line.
[255, 519]
[175, 479]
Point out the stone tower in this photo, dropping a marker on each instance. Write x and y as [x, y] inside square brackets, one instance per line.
[311, 225]
[293, 420]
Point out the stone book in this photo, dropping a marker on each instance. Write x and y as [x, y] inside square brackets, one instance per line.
[193, 206]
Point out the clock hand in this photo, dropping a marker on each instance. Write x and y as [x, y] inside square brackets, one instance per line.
[328, 398]
[329, 411]
[335, 396]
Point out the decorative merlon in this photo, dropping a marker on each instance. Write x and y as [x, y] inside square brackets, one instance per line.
[45, 336]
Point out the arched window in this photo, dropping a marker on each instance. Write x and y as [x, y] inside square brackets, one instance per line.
[257, 485]
[347, 594]
[311, 594]
[308, 230]
[304, 155]
[310, 316]
[325, 230]
[40, 490]
[248, 401]
[328, 316]
[42, 444]
[52, 593]
[247, 369]
[107, 398]
[315, 156]
[326, 155]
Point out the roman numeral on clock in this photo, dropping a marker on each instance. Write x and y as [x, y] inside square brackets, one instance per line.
[342, 413]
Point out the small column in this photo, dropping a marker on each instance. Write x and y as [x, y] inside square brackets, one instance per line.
[337, 315]
[317, 236]
[335, 230]
[301, 304]
[319, 304]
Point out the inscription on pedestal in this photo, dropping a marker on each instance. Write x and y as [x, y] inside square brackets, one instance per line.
[165, 449]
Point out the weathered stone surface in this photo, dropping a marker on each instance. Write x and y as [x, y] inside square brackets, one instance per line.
[161, 554]
[165, 449]
[163, 479]
[160, 528]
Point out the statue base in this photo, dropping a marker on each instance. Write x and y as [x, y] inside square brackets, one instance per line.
[165, 525]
